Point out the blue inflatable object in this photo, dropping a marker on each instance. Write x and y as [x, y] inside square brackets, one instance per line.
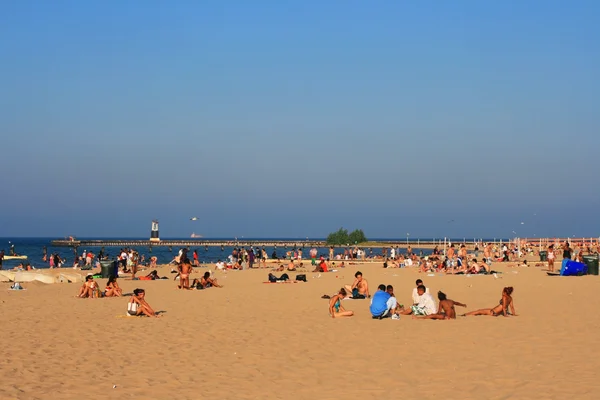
[573, 268]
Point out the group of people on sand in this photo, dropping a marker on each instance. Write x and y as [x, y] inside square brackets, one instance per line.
[90, 288]
[184, 269]
[385, 305]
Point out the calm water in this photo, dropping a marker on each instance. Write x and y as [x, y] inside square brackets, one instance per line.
[34, 249]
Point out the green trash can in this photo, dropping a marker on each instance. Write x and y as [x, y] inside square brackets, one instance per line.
[107, 269]
[592, 263]
[543, 255]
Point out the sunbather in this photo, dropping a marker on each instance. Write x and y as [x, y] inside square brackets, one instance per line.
[88, 288]
[112, 288]
[205, 282]
[138, 305]
[445, 309]
[336, 310]
[502, 308]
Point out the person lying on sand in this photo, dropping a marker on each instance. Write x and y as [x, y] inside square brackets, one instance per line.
[359, 288]
[502, 308]
[445, 308]
[205, 282]
[139, 306]
[282, 278]
[89, 288]
[112, 288]
[336, 310]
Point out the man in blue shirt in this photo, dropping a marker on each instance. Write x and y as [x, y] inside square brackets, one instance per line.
[379, 303]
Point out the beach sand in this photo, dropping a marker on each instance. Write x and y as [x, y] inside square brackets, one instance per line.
[251, 340]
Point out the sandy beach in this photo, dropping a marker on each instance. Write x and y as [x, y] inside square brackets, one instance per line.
[251, 340]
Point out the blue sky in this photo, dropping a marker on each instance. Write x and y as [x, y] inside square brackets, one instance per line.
[293, 118]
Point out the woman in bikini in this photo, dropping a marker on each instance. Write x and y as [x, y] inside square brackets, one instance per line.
[139, 306]
[89, 288]
[112, 288]
[502, 308]
[336, 310]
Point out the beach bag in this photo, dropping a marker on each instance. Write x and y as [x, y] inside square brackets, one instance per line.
[301, 277]
[132, 308]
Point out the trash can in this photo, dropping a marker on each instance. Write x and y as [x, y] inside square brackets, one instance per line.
[592, 263]
[543, 255]
[108, 269]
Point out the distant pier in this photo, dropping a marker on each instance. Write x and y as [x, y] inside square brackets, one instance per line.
[246, 243]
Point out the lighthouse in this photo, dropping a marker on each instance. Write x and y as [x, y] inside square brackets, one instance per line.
[154, 232]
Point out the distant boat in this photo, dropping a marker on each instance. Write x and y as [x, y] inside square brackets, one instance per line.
[195, 236]
[15, 257]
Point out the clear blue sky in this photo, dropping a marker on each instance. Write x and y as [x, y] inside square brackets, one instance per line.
[293, 118]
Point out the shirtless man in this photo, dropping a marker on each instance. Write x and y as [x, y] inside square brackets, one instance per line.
[291, 266]
[185, 269]
[487, 252]
[359, 287]
[445, 309]
[205, 282]
[451, 255]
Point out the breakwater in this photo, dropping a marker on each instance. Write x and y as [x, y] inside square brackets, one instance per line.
[422, 244]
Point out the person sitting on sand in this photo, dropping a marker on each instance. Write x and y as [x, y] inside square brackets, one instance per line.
[359, 288]
[220, 265]
[89, 288]
[502, 308]
[291, 266]
[185, 269]
[380, 303]
[205, 282]
[415, 294]
[112, 288]
[322, 267]
[392, 303]
[445, 309]
[139, 306]
[425, 306]
[336, 310]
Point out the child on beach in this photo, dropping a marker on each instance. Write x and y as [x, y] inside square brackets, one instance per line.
[139, 306]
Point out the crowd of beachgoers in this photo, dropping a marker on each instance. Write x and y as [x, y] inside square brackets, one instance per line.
[383, 302]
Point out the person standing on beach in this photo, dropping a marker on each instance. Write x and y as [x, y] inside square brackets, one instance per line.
[567, 251]
[1, 258]
[551, 257]
[184, 268]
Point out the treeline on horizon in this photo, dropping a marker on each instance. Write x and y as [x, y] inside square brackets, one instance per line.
[342, 237]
